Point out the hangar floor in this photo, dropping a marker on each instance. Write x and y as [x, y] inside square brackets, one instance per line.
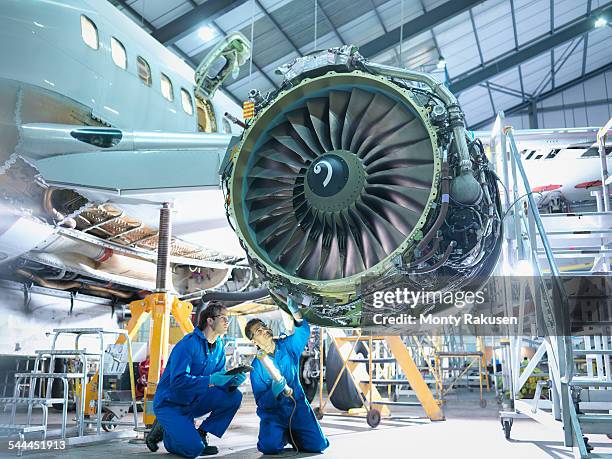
[469, 431]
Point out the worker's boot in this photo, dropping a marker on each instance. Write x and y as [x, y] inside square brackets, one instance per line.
[208, 450]
[154, 436]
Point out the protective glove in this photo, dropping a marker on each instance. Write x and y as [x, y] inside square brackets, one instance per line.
[220, 379]
[292, 305]
[237, 380]
[278, 386]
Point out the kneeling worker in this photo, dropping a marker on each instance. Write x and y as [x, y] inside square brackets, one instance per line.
[283, 419]
[194, 383]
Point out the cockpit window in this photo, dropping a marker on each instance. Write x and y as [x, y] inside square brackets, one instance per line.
[89, 32]
[144, 71]
[118, 53]
[186, 101]
[166, 87]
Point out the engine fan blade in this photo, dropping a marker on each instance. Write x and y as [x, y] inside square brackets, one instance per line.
[300, 122]
[377, 109]
[319, 116]
[396, 118]
[357, 107]
[418, 176]
[408, 197]
[388, 236]
[284, 134]
[338, 103]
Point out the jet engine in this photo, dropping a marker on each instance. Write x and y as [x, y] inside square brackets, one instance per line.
[355, 173]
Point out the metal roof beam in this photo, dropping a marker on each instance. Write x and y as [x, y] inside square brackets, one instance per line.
[525, 105]
[543, 45]
[586, 42]
[382, 24]
[502, 89]
[416, 26]
[481, 59]
[279, 28]
[590, 103]
[201, 15]
[332, 25]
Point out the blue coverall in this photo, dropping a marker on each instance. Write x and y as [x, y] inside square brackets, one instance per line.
[183, 394]
[274, 414]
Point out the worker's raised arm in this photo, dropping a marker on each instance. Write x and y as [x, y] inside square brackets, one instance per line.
[298, 340]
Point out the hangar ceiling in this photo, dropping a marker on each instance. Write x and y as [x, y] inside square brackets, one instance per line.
[499, 54]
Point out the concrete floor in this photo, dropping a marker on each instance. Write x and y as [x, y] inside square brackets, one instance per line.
[469, 432]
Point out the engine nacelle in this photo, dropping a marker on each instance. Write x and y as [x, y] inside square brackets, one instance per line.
[353, 171]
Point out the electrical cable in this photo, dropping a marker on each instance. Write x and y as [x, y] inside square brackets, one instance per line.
[316, 7]
[517, 200]
[252, 39]
[297, 450]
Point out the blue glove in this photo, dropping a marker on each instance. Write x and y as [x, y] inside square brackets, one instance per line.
[292, 305]
[220, 379]
[278, 386]
[237, 380]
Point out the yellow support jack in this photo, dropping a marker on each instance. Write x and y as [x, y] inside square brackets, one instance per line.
[160, 306]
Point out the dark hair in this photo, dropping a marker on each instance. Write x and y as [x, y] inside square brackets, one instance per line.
[250, 324]
[213, 309]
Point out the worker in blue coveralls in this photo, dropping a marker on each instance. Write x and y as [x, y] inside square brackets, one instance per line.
[276, 411]
[194, 383]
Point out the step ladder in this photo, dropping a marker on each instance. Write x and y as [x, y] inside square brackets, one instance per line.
[581, 243]
[560, 246]
[90, 367]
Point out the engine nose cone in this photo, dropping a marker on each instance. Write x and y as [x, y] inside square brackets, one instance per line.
[334, 181]
[328, 175]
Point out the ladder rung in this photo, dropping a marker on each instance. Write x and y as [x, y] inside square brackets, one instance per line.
[579, 232]
[359, 338]
[22, 428]
[74, 352]
[375, 360]
[607, 418]
[385, 381]
[390, 403]
[592, 351]
[48, 375]
[577, 214]
[30, 400]
[590, 382]
[459, 354]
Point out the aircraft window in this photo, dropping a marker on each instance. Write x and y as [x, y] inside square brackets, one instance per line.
[186, 101]
[144, 71]
[118, 53]
[89, 32]
[166, 88]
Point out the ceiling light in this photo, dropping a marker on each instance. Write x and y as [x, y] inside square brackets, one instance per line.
[600, 22]
[441, 63]
[206, 33]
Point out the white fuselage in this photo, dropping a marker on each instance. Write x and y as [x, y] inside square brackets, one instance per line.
[43, 46]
